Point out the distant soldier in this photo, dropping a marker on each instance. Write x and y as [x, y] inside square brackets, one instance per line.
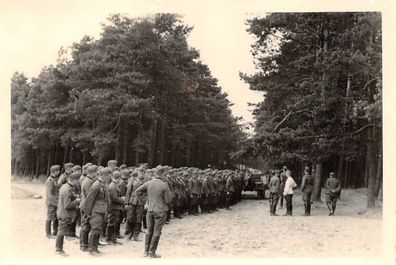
[112, 164]
[283, 178]
[84, 172]
[290, 184]
[68, 170]
[159, 198]
[134, 204]
[52, 192]
[96, 207]
[194, 193]
[85, 187]
[230, 189]
[123, 189]
[77, 191]
[333, 190]
[273, 185]
[116, 207]
[307, 188]
[67, 209]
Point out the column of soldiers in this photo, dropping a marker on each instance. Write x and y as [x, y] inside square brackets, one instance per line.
[100, 199]
[281, 185]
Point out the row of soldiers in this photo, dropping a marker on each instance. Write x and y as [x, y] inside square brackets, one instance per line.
[282, 184]
[101, 198]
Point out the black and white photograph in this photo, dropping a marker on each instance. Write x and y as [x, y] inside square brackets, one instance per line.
[197, 130]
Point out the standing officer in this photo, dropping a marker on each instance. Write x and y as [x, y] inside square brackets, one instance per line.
[85, 187]
[230, 189]
[116, 206]
[52, 198]
[273, 185]
[283, 178]
[290, 184]
[134, 204]
[159, 198]
[96, 207]
[67, 209]
[333, 190]
[307, 188]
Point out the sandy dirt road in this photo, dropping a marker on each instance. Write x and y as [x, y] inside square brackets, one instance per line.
[246, 231]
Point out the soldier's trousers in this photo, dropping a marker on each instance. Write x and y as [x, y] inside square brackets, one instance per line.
[307, 202]
[331, 201]
[274, 198]
[96, 221]
[63, 228]
[134, 218]
[289, 203]
[193, 204]
[84, 232]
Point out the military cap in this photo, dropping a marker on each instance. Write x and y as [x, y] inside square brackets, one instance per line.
[284, 167]
[159, 170]
[100, 168]
[332, 174]
[74, 176]
[123, 166]
[117, 174]
[68, 165]
[112, 162]
[105, 171]
[76, 168]
[92, 169]
[125, 171]
[54, 167]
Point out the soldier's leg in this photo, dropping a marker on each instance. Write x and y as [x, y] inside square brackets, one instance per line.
[138, 222]
[282, 197]
[96, 222]
[63, 230]
[55, 224]
[131, 220]
[333, 204]
[159, 220]
[150, 231]
[84, 232]
[51, 218]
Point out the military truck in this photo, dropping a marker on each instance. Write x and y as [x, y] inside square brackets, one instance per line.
[256, 181]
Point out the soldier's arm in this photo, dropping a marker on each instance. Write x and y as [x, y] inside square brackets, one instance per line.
[303, 182]
[69, 203]
[141, 189]
[128, 192]
[167, 194]
[114, 197]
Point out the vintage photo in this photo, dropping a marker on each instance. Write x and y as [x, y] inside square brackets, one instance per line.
[176, 135]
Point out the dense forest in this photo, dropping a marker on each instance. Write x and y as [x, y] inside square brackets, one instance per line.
[138, 93]
[321, 75]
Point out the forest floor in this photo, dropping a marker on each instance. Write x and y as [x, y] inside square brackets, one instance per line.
[247, 231]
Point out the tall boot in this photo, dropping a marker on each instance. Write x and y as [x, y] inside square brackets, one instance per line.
[131, 229]
[55, 224]
[114, 236]
[96, 244]
[117, 230]
[48, 228]
[136, 232]
[309, 208]
[91, 243]
[334, 208]
[59, 244]
[153, 247]
[329, 207]
[83, 240]
[147, 244]
[73, 229]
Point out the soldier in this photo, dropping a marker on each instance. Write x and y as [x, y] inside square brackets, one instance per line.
[85, 187]
[84, 172]
[230, 189]
[123, 189]
[290, 184]
[159, 198]
[307, 188]
[116, 206]
[134, 204]
[193, 190]
[273, 186]
[96, 207]
[112, 164]
[283, 178]
[77, 191]
[68, 170]
[67, 209]
[52, 192]
[333, 190]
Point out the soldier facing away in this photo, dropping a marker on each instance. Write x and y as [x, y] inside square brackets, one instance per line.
[274, 185]
[159, 198]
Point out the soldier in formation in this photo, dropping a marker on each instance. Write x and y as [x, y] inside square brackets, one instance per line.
[101, 198]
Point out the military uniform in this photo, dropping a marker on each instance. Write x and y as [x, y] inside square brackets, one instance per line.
[114, 215]
[230, 189]
[67, 210]
[307, 184]
[274, 186]
[52, 197]
[135, 207]
[159, 197]
[85, 225]
[96, 207]
[333, 189]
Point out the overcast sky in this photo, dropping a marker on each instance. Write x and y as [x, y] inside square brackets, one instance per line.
[37, 30]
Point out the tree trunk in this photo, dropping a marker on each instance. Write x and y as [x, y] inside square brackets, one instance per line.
[371, 168]
[317, 183]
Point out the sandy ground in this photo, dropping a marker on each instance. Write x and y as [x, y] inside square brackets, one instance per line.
[246, 231]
